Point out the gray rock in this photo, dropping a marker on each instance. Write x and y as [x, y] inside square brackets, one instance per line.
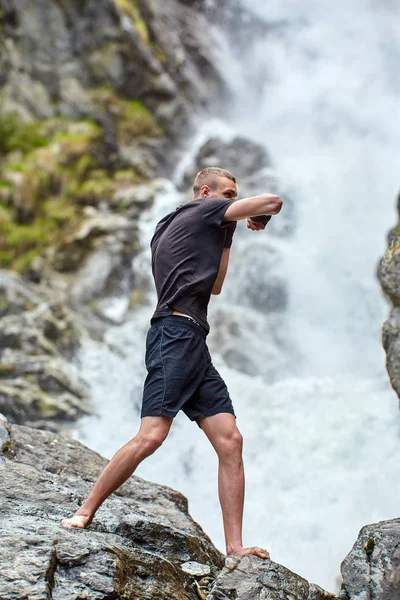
[253, 578]
[38, 336]
[141, 196]
[389, 275]
[133, 549]
[371, 569]
[157, 51]
[195, 569]
[240, 156]
[391, 344]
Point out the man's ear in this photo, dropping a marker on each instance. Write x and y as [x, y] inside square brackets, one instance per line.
[205, 191]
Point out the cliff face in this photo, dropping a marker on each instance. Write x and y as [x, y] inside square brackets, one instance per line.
[389, 276]
[94, 98]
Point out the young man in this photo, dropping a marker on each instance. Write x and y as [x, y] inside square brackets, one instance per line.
[190, 254]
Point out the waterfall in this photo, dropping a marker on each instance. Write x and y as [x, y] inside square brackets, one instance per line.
[317, 85]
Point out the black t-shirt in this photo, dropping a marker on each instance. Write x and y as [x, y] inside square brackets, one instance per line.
[186, 252]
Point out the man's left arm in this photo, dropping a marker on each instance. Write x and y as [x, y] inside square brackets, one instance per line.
[223, 267]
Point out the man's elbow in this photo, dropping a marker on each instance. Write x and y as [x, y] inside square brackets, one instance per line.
[276, 205]
[216, 291]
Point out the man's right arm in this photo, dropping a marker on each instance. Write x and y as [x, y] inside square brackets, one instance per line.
[263, 204]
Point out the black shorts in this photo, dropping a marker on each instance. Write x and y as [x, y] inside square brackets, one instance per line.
[181, 375]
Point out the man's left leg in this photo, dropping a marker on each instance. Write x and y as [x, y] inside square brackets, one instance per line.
[222, 431]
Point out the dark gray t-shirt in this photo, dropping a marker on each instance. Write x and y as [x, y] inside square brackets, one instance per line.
[186, 252]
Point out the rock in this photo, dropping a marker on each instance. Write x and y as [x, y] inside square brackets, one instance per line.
[33, 318]
[371, 569]
[195, 569]
[139, 196]
[396, 574]
[15, 295]
[38, 336]
[391, 344]
[157, 51]
[133, 549]
[389, 275]
[252, 578]
[240, 156]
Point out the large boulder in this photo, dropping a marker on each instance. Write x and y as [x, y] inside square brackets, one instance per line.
[133, 549]
[253, 578]
[371, 570]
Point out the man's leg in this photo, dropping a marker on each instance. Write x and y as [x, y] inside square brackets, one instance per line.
[222, 431]
[152, 433]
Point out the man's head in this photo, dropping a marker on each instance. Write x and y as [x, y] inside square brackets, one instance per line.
[213, 182]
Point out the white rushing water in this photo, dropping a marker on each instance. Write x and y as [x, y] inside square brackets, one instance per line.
[322, 443]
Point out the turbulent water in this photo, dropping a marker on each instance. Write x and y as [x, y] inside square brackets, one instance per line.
[318, 86]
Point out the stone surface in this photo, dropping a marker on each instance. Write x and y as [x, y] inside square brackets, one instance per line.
[253, 578]
[389, 277]
[133, 549]
[371, 570]
[195, 569]
[38, 338]
[157, 51]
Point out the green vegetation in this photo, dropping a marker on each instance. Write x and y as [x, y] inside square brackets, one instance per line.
[369, 546]
[16, 134]
[131, 9]
[49, 170]
[135, 121]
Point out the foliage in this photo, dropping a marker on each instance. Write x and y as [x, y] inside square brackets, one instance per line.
[16, 134]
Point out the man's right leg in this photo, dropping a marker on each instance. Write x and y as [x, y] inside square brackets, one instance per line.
[152, 433]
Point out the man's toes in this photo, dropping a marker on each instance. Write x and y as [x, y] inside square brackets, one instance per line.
[260, 552]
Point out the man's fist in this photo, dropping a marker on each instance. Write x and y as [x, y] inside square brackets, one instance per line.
[258, 223]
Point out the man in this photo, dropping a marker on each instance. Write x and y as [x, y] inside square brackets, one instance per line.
[190, 254]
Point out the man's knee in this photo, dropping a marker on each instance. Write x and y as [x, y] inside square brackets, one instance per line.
[151, 436]
[230, 445]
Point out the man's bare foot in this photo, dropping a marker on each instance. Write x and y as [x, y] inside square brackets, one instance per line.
[80, 521]
[240, 551]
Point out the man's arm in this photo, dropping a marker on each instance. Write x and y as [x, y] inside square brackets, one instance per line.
[223, 267]
[263, 204]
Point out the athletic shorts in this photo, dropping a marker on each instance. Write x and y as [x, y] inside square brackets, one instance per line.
[180, 374]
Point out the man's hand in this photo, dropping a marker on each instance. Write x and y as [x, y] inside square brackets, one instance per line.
[255, 226]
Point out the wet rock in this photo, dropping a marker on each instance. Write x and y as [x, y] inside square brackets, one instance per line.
[133, 549]
[252, 578]
[371, 570]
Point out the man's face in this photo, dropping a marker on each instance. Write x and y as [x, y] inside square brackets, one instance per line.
[225, 188]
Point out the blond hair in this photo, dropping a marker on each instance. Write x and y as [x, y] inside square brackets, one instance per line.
[209, 176]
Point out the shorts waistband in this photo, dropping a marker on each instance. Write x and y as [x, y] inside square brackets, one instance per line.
[181, 320]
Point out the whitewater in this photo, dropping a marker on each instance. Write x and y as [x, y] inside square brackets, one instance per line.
[319, 418]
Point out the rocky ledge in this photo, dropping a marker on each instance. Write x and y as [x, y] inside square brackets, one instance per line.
[143, 542]
[389, 277]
